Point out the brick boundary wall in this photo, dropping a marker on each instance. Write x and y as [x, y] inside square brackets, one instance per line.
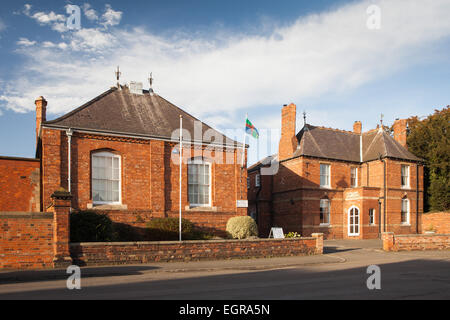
[410, 242]
[92, 254]
[439, 221]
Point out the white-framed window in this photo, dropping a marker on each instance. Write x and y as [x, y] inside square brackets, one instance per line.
[106, 182]
[405, 211]
[371, 216]
[405, 176]
[199, 183]
[353, 221]
[324, 212]
[354, 177]
[258, 180]
[325, 175]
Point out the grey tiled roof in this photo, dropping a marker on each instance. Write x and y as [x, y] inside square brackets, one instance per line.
[119, 111]
[344, 145]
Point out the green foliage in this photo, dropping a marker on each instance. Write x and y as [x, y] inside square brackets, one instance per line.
[242, 227]
[167, 229]
[90, 226]
[126, 233]
[429, 139]
[292, 235]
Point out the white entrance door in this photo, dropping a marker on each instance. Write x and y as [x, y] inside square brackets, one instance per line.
[353, 221]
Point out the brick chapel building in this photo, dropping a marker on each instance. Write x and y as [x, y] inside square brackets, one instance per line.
[119, 154]
[347, 185]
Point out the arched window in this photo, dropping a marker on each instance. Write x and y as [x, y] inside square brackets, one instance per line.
[324, 211]
[405, 211]
[199, 183]
[106, 184]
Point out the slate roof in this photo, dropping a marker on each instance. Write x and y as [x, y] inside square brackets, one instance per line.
[121, 112]
[327, 143]
[264, 162]
[345, 145]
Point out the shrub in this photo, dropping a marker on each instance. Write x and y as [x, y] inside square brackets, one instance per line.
[167, 229]
[90, 226]
[242, 227]
[125, 233]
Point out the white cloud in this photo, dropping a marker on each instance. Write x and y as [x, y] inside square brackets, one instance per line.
[56, 21]
[89, 12]
[111, 17]
[215, 76]
[24, 42]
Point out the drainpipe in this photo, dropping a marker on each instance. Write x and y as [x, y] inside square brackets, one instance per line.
[384, 190]
[69, 134]
[417, 198]
[257, 196]
[379, 217]
[384, 194]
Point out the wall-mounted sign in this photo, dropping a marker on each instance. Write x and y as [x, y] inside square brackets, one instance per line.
[242, 203]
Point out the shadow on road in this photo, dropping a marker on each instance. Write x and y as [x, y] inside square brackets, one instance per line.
[328, 250]
[49, 275]
[414, 279]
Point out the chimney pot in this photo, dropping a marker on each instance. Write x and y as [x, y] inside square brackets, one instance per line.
[41, 114]
[288, 141]
[400, 132]
[357, 127]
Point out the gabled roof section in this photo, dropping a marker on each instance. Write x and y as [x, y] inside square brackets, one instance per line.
[262, 163]
[328, 143]
[378, 143]
[342, 145]
[148, 115]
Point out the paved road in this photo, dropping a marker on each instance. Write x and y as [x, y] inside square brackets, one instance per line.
[338, 274]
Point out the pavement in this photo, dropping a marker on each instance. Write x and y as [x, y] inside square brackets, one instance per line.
[340, 273]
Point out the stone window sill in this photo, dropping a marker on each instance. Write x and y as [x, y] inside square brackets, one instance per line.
[107, 206]
[210, 209]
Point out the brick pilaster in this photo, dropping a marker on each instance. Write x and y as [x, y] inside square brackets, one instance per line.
[319, 242]
[61, 228]
[388, 241]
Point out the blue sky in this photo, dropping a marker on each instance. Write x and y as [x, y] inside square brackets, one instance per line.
[222, 59]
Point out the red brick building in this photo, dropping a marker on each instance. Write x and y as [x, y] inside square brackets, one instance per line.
[119, 154]
[343, 184]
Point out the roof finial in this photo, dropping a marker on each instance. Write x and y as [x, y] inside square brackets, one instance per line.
[381, 120]
[304, 117]
[118, 74]
[151, 82]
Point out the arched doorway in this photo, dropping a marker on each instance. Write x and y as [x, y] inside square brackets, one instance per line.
[353, 222]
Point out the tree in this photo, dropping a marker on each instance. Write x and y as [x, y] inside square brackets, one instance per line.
[429, 139]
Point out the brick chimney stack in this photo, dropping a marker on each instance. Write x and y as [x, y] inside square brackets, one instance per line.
[400, 132]
[288, 141]
[41, 114]
[357, 127]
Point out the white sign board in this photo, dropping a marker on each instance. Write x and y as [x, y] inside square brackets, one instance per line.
[277, 233]
[242, 203]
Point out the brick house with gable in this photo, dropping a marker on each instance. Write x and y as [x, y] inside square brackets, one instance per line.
[347, 185]
[118, 154]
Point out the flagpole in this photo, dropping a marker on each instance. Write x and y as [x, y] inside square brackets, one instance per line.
[243, 144]
[181, 169]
